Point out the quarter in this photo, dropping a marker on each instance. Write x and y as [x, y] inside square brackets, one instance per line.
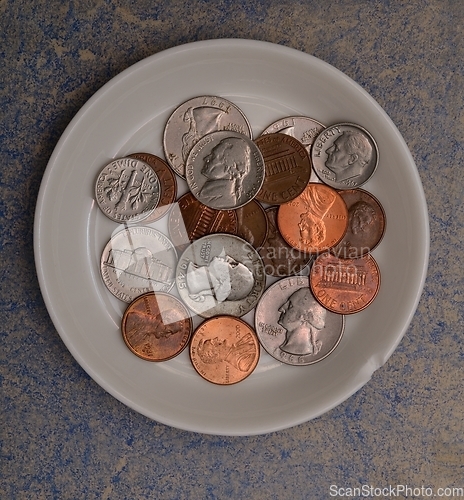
[220, 274]
[293, 327]
[137, 260]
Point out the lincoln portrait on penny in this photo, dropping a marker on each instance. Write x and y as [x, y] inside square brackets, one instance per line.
[303, 318]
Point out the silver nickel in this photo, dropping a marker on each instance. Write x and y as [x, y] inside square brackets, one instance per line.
[345, 156]
[196, 118]
[220, 274]
[225, 170]
[137, 260]
[127, 190]
[293, 327]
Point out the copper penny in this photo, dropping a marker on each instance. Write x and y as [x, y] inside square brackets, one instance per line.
[156, 326]
[287, 168]
[280, 259]
[224, 350]
[314, 221]
[189, 220]
[168, 184]
[366, 224]
[345, 286]
[252, 223]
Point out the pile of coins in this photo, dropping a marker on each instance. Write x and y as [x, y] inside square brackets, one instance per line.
[277, 225]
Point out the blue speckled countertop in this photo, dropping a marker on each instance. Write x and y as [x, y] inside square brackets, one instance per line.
[62, 436]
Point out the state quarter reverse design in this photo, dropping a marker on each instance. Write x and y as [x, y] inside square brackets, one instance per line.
[137, 260]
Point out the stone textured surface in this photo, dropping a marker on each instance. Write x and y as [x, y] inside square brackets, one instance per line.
[61, 435]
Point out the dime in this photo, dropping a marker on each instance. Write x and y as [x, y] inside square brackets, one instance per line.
[224, 350]
[302, 128]
[293, 327]
[220, 274]
[345, 286]
[287, 165]
[366, 224]
[196, 118]
[314, 221]
[127, 190]
[252, 223]
[168, 184]
[137, 260]
[156, 326]
[225, 170]
[344, 155]
[189, 220]
[280, 259]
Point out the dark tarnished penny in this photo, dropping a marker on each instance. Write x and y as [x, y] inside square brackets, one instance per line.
[156, 326]
[366, 224]
[168, 184]
[287, 168]
[224, 350]
[189, 220]
[280, 259]
[314, 221]
[345, 286]
[293, 327]
[252, 223]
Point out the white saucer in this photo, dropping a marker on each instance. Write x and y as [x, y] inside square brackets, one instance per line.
[128, 115]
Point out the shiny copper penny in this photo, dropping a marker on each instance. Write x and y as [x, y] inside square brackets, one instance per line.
[252, 223]
[344, 286]
[366, 224]
[224, 350]
[189, 220]
[280, 259]
[168, 184]
[314, 221]
[156, 326]
[287, 168]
